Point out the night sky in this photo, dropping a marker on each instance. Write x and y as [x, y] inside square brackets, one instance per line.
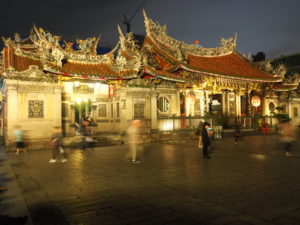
[271, 26]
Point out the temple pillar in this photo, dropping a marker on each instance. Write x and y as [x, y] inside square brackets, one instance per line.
[248, 111]
[264, 105]
[153, 111]
[12, 113]
[289, 102]
[178, 104]
[202, 103]
[125, 115]
[206, 101]
[237, 104]
[227, 103]
[223, 103]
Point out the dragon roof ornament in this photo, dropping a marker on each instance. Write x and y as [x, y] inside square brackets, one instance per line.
[53, 49]
[129, 58]
[33, 73]
[158, 33]
[279, 71]
[292, 80]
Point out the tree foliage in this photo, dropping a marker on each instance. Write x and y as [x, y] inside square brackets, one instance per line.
[258, 57]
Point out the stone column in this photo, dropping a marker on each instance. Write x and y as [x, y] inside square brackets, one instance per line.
[207, 101]
[123, 110]
[237, 104]
[248, 112]
[202, 103]
[224, 104]
[153, 111]
[264, 105]
[227, 104]
[12, 112]
[290, 112]
[178, 104]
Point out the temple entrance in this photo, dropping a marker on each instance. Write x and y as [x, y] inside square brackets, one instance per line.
[83, 109]
[215, 104]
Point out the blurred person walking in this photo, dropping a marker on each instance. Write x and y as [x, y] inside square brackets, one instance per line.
[57, 146]
[199, 134]
[19, 139]
[237, 134]
[134, 139]
[287, 135]
[205, 140]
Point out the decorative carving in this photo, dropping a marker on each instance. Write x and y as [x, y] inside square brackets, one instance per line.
[98, 99]
[279, 71]
[139, 109]
[143, 83]
[33, 73]
[32, 88]
[35, 109]
[129, 57]
[83, 89]
[159, 33]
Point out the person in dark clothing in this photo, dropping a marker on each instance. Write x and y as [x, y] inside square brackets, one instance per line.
[237, 134]
[205, 140]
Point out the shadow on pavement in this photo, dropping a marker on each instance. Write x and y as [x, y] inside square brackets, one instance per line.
[46, 214]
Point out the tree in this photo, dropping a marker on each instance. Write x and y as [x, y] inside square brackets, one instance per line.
[260, 56]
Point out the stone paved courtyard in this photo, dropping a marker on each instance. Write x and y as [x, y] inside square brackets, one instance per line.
[249, 183]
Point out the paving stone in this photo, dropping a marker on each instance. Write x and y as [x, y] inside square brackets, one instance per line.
[172, 185]
[285, 220]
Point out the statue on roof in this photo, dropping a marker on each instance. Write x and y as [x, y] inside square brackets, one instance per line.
[230, 42]
[266, 65]
[17, 38]
[68, 45]
[130, 42]
[87, 45]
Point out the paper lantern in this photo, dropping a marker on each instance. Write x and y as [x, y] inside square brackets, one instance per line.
[255, 101]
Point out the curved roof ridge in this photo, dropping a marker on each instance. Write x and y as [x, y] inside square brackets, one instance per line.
[158, 32]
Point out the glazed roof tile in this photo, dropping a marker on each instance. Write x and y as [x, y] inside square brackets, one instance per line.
[22, 63]
[164, 74]
[92, 69]
[231, 65]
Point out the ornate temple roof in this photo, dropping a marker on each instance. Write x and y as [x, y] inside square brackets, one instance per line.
[53, 55]
[160, 56]
[170, 54]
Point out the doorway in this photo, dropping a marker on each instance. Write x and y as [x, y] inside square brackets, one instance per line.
[83, 109]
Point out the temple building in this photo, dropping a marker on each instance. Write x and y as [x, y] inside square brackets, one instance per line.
[49, 82]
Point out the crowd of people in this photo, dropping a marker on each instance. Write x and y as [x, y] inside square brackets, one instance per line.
[204, 132]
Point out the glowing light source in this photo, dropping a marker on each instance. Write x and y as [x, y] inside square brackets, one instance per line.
[255, 101]
[78, 100]
[76, 83]
[97, 85]
[167, 125]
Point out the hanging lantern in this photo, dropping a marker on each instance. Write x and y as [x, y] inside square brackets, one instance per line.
[255, 100]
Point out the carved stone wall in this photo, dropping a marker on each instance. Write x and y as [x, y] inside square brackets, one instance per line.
[33, 105]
